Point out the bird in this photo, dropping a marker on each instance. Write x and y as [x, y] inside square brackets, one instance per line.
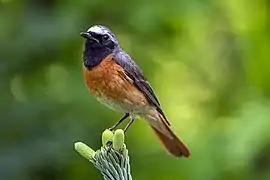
[117, 82]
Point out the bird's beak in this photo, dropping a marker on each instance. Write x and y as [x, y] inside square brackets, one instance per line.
[87, 35]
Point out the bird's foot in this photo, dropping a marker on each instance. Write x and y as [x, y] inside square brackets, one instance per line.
[109, 146]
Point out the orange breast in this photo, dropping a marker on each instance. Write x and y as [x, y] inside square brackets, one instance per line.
[110, 85]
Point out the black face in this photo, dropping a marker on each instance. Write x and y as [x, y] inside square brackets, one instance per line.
[100, 42]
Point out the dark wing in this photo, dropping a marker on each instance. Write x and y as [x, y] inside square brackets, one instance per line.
[134, 72]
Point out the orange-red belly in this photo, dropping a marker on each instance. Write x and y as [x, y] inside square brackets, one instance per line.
[112, 87]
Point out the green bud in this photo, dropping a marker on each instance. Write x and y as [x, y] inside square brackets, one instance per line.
[107, 136]
[84, 150]
[118, 139]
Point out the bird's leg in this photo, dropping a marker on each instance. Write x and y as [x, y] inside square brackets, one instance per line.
[119, 122]
[109, 144]
[131, 120]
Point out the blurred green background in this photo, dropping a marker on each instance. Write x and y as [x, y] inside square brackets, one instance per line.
[207, 60]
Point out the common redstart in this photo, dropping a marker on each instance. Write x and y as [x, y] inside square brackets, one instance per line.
[115, 80]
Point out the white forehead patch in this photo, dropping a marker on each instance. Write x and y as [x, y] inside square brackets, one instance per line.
[95, 29]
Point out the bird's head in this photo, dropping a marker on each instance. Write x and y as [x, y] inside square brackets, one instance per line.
[100, 36]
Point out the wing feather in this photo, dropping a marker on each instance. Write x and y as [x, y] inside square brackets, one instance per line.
[134, 72]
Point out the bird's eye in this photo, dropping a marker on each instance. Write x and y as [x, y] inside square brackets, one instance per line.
[105, 37]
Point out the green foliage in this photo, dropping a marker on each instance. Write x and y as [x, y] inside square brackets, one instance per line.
[208, 62]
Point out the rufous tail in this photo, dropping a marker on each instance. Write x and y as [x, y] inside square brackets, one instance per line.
[169, 140]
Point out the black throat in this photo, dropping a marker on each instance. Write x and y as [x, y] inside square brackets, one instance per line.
[94, 53]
